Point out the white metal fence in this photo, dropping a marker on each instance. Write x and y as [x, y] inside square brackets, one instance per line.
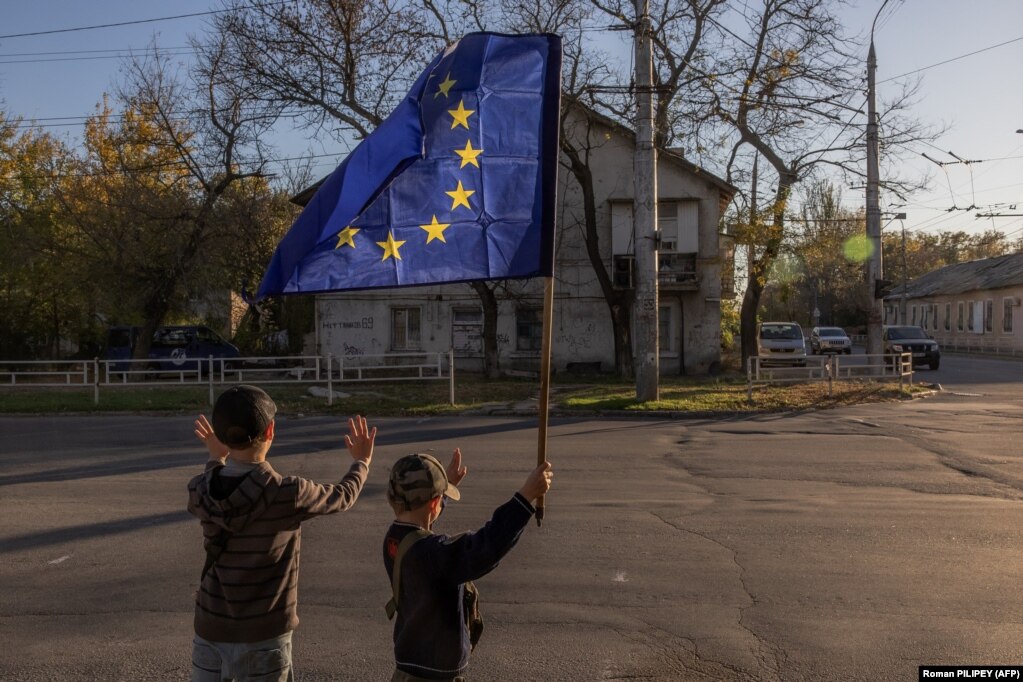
[816, 368]
[212, 372]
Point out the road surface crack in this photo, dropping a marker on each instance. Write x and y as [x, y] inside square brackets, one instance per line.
[770, 656]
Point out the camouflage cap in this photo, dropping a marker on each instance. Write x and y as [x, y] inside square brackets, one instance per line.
[416, 479]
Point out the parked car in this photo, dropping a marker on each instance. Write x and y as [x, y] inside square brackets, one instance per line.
[172, 348]
[912, 340]
[781, 343]
[829, 340]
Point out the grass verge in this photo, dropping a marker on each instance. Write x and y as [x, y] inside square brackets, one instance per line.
[575, 394]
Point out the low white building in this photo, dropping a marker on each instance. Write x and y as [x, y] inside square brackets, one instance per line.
[969, 305]
[694, 260]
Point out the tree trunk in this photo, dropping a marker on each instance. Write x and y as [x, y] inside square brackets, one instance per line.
[759, 267]
[618, 301]
[623, 339]
[491, 358]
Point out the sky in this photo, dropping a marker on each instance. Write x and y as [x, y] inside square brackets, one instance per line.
[979, 97]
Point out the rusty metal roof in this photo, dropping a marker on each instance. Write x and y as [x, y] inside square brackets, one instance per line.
[976, 275]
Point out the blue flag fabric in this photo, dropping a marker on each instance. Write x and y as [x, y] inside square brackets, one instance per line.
[457, 184]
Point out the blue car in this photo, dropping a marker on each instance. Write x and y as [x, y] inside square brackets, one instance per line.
[173, 348]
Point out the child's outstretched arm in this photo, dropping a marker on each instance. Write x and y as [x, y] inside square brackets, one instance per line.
[204, 432]
[314, 499]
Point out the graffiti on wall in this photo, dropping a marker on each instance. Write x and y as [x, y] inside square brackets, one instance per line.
[363, 323]
[577, 343]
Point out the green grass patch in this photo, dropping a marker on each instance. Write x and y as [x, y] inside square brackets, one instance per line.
[730, 396]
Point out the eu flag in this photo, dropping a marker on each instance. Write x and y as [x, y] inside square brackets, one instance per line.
[457, 184]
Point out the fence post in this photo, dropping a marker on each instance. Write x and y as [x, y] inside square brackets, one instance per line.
[451, 374]
[910, 374]
[209, 377]
[95, 380]
[330, 379]
[898, 363]
[832, 364]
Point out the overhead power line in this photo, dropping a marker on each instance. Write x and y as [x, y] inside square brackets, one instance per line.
[127, 23]
[953, 59]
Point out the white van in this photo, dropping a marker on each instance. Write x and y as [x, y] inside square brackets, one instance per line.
[781, 343]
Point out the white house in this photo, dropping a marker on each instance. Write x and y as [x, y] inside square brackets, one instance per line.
[692, 266]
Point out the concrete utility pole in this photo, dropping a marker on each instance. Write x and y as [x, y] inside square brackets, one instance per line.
[644, 214]
[875, 314]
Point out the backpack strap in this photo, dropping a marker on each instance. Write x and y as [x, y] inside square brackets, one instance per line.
[411, 538]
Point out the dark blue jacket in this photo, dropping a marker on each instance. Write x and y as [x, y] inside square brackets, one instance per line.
[430, 638]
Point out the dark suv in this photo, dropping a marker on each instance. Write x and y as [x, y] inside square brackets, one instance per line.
[912, 340]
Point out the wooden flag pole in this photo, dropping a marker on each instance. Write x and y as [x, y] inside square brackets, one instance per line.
[545, 383]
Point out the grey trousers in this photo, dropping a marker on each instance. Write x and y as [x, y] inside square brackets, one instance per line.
[266, 661]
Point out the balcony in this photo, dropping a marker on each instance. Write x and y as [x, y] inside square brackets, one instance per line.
[676, 272]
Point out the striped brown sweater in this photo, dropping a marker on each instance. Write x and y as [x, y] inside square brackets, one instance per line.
[251, 592]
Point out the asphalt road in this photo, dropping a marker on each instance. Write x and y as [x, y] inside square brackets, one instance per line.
[849, 544]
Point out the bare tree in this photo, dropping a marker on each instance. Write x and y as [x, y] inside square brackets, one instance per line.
[788, 90]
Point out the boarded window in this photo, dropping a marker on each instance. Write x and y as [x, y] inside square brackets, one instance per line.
[1007, 306]
[467, 331]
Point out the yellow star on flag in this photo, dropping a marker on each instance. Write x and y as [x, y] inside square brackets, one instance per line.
[469, 154]
[436, 230]
[460, 196]
[347, 236]
[461, 115]
[390, 247]
[444, 86]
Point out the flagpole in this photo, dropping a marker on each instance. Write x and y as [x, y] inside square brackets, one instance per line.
[545, 383]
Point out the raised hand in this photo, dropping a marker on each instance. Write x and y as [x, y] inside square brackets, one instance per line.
[455, 471]
[204, 432]
[360, 439]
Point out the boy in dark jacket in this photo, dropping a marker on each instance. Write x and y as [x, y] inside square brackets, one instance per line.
[431, 639]
[246, 606]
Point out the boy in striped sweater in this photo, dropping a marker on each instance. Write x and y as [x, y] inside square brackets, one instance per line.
[246, 606]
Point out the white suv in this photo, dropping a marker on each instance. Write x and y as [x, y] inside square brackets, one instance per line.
[781, 343]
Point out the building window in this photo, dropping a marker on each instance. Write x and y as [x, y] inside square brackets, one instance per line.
[970, 316]
[959, 319]
[405, 334]
[1007, 314]
[948, 317]
[914, 314]
[934, 316]
[529, 329]
[667, 225]
[989, 315]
